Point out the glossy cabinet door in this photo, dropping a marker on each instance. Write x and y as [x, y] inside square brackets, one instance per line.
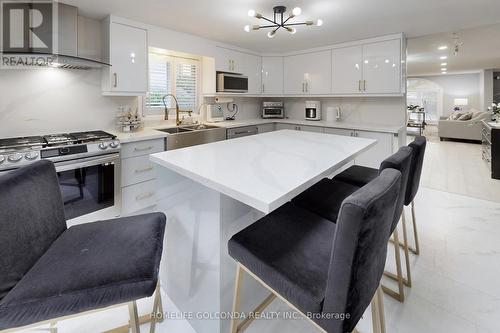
[382, 67]
[227, 60]
[308, 74]
[251, 66]
[272, 75]
[128, 53]
[376, 154]
[348, 70]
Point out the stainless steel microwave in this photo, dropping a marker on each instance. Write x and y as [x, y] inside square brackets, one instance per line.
[233, 83]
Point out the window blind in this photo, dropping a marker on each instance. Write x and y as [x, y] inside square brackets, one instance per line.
[186, 85]
[160, 81]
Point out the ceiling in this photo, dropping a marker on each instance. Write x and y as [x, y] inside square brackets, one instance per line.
[344, 20]
[480, 50]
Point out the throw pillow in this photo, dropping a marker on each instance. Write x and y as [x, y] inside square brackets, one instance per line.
[455, 115]
[465, 116]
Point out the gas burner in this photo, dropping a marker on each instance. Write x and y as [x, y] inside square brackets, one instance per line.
[92, 136]
[23, 142]
[59, 139]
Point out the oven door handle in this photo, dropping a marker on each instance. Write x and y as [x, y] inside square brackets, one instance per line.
[87, 162]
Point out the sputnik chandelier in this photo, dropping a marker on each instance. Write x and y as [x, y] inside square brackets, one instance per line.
[279, 21]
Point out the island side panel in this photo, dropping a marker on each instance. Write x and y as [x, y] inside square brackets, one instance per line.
[190, 271]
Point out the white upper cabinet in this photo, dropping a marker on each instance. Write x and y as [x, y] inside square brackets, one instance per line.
[252, 67]
[272, 75]
[308, 74]
[348, 70]
[127, 52]
[382, 67]
[227, 60]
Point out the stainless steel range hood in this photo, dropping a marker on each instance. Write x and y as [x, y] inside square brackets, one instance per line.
[79, 40]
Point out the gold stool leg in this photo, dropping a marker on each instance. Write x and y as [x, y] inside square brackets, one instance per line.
[415, 233]
[134, 317]
[400, 294]
[378, 314]
[236, 299]
[406, 281]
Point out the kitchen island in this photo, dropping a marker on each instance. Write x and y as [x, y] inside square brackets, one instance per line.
[210, 192]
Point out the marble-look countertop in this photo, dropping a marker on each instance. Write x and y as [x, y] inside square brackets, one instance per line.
[264, 171]
[149, 133]
[141, 135]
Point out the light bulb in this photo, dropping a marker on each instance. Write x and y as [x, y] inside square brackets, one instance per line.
[247, 28]
[256, 27]
[319, 23]
[444, 47]
[271, 34]
[291, 30]
[296, 11]
[251, 13]
[444, 64]
[443, 57]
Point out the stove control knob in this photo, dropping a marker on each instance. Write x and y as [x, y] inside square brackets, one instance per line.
[15, 157]
[32, 155]
[2, 159]
[103, 146]
[114, 144]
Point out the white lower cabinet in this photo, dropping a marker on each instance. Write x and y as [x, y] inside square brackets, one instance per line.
[265, 128]
[295, 127]
[139, 175]
[376, 154]
[339, 131]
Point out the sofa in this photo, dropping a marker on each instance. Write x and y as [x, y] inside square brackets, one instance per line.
[462, 129]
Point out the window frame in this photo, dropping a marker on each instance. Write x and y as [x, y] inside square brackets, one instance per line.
[174, 60]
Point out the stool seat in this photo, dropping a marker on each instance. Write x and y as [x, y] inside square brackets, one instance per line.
[325, 197]
[290, 251]
[357, 175]
[87, 267]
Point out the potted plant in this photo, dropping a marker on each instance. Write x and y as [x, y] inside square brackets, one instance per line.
[495, 111]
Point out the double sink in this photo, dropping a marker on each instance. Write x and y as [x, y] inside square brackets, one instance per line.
[187, 136]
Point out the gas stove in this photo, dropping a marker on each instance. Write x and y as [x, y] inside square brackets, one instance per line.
[16, 152]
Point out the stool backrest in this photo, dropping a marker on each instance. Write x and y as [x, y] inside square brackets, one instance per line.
[400, 161]
[418, 146]
[31, 218]
[359, 250]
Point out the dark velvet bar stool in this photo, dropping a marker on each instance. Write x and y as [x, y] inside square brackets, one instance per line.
[320, 199]
[318, 267]
[359, 175]
[49, 272]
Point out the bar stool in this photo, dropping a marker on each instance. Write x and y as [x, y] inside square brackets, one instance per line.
[49, 272]
[319, 198]
[359, 175]
[320, 268]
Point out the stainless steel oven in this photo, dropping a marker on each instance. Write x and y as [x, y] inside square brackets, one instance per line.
[273, 110]
[90, 187]
[235, 83]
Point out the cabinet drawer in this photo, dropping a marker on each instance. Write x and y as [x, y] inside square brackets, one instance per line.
[138, 196]
[142, 148]
[137, 169]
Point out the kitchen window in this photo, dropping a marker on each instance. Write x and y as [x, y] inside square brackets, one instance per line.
[175, 75]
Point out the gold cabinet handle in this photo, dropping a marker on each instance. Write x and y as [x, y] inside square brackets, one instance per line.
[144, 170]
[115, 80]
[143, 149]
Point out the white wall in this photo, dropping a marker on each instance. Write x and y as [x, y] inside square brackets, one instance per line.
[49, 100]
[458, 86]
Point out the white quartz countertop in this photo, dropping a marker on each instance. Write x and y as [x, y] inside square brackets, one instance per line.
[141, 135]
[266, 170]
[336, 124]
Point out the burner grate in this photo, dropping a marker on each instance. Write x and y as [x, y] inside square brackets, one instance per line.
[27, 141]
[92, 136]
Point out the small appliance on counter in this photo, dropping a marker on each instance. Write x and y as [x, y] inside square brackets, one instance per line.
[273, 110]
[333, 114]
[313, 110]
[215, 113]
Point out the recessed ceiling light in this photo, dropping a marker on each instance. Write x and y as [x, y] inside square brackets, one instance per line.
[444, 63]
[443, 69]
[444, 72]
[443, 58]
[444, 47]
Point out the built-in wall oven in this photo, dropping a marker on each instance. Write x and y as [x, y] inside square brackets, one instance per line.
[87, 166]
[273, 110]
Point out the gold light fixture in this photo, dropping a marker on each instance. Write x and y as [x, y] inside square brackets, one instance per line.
[279, 21]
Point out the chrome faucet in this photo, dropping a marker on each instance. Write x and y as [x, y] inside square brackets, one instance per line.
[177, 109]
